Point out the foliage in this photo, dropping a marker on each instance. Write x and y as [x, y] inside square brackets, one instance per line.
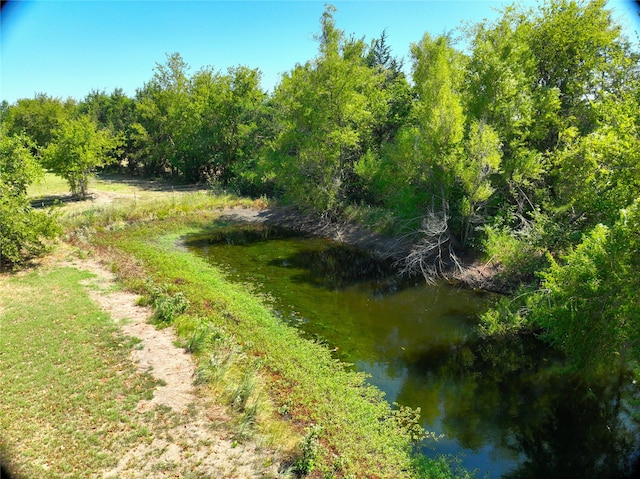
[516, 148]
[79, 147]
[166, 306]
[328, 108]
[598, 173]
[442, 467]
[23, 230]
[117, 113]
[38, 118]
[203, 126]
[588, 304]
[309, 451]
[520, 254]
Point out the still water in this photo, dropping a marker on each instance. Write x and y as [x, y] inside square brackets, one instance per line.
[502, 406]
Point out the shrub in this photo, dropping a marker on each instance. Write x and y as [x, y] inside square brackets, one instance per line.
[166, 307]
[310, 449]
[23, 230]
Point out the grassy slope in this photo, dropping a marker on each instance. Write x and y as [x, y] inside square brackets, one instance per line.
[358, 433]
[64, 412]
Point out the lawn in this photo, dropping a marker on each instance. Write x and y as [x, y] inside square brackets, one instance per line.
[68, 386]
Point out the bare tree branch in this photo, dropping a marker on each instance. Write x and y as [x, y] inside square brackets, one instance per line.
[432, 254]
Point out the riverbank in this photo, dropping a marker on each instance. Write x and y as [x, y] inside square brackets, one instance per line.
[248, 355]
[291, 395]
[470, 272]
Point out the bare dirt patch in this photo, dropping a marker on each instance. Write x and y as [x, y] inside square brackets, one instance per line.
[189, 437]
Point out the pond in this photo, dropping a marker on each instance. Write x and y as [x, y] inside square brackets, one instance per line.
[503, 406]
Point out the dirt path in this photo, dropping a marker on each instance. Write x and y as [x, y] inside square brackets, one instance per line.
[189, 436]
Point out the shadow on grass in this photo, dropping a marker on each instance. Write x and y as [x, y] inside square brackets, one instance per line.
[148, 184]
[53, 200]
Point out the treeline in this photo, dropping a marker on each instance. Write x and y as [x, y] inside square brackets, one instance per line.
[525, 148]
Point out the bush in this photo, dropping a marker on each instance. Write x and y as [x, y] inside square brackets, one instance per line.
[23, 230]
[517, 252]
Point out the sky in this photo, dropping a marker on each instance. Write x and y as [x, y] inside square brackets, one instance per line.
[68, 48]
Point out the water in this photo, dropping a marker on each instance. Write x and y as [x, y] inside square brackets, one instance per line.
[502, 405]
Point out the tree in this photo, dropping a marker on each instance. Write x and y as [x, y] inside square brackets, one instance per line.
[578, 64]
[159, 109]
[501, 90]
[589, 305]
[599, 173]
[38, 118]
[202, 126]
[220, 132]
[78, 148]
[328, 108]
[115, 112]
[481, 159]
[23, 230]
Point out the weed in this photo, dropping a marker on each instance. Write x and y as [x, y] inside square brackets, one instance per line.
[166, 307]
[310, 449]
[224, 352]
[408, 421]
[239, 395]
[203, 336]
[247, 421]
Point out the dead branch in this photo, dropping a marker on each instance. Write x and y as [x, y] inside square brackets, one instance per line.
[432, 255]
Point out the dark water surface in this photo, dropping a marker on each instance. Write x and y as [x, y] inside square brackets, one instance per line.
[503, 405]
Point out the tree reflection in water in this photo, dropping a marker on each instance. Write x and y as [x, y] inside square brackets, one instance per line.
[513, 395]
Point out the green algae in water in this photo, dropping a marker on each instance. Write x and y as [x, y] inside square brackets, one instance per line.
[504, 403]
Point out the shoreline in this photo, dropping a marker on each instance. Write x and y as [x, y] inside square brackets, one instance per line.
[473, 274]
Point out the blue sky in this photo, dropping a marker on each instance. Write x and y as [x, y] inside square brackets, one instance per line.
[67, 48]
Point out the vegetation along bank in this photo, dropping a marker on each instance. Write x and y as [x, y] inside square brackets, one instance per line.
[520, 153]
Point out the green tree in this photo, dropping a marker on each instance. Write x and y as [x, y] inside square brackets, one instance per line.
[482, 158]
[599, 173]
[589, 305]
[23, 231]
[202, 127]
[159, 106]
[421, 166]
[38, 118]
[77, 150]
[115, 112]
[501, 89]
[220, 134]
[327, 108]
[576, 46]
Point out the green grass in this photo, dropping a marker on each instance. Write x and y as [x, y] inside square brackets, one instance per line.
[68, 386]
[54, 185]
[50, 185]
[360, 436]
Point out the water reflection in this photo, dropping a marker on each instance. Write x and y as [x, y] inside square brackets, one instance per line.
[505, 404]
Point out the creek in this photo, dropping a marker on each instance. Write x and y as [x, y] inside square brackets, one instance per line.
[503, 407]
